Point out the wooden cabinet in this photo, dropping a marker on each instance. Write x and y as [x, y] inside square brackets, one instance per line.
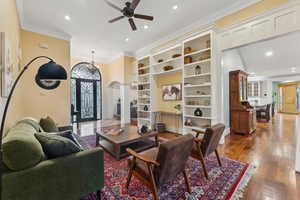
[242, 115]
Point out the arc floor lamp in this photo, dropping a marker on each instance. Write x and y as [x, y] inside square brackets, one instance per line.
[48, 77]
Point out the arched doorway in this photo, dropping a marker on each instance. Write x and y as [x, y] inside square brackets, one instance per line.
[86, 93]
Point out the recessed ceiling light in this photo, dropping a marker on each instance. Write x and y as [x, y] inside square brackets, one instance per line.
[127, 39]
[67, 17]
[293, 69]
[269, 53]
[175, 7]
[145, 26]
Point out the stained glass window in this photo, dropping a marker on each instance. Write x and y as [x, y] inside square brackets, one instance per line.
[88, 78]
[87, 100]
[85, 71]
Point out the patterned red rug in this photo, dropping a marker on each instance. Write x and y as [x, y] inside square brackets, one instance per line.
[226, 182]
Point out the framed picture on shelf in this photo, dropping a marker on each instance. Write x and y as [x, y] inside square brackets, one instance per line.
[172, 92]
[6, 65]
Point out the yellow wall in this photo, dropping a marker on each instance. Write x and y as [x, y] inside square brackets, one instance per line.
[121, 70]
[161, 105]
[37, 102]
[250, 11]
[9, 24]
[129, 70]
[116, 70]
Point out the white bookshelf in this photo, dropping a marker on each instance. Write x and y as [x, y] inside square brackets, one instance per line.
[198, 83]
[198, 88]
[166, 58]
[143, 91]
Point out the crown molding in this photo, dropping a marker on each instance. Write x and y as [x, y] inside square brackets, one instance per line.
[270, 12]
[122, 54]
[58, 35]
[35, 29]
[200, 25]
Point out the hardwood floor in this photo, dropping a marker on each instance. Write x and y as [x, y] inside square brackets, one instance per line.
[272, 150]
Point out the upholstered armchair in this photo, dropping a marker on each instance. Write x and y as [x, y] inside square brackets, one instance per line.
[204, 147]
[158, 166]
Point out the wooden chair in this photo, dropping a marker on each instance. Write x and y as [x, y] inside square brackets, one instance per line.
[161, 165]
[264, 113]
[273, 109]
[204, 147]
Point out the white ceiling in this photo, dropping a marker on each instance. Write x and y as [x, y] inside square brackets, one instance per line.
[89, 28]
[286, 55]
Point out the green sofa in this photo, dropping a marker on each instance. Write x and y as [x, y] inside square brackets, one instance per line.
[66, 178]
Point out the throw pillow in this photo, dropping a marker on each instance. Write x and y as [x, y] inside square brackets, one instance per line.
[48, 125]
[56, 146]
[69, 135]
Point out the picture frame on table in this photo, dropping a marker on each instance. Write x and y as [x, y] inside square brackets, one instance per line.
[172, 92]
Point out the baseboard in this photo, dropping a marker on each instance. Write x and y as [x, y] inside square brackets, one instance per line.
[226, 131]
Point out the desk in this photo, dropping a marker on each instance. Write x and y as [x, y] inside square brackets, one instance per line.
[160, 116]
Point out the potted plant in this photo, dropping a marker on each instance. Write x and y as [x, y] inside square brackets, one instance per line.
[178, 108]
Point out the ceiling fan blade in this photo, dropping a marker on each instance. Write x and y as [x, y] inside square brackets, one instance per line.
[115, 19]
[132, 24]
[113, 5]
[134, 4]
[145, 17]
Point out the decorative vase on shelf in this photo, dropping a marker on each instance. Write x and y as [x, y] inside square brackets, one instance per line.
[188, 122]
[146, 108]
[144, 129]
[197, 70]
[198, 112]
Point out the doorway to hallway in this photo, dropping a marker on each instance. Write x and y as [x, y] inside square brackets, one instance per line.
[288, 97]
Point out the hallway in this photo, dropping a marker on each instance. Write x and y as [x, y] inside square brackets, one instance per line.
[272, 150]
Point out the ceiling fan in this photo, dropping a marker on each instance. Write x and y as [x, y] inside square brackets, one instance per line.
[128, 11]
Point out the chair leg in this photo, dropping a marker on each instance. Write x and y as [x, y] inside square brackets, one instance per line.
[203, 162]
[154, 188]
[129, 178]
[186, 178]
[130, 173]
[204, 166]
[98, 195]
[218, 157]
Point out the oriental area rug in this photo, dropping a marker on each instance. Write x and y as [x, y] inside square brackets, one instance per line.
[226, 183]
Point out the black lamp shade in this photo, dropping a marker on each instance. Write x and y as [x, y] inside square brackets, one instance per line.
[52, 71]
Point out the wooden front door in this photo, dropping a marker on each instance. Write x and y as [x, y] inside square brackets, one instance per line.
[288, 99]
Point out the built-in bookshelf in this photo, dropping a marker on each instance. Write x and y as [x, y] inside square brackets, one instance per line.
[197, 81]
[143, 93]
[194, 59]
[167, 61]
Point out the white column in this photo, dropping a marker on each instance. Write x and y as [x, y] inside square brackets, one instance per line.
[125, 103]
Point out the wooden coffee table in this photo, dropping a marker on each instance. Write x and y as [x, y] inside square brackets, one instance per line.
[116, 144]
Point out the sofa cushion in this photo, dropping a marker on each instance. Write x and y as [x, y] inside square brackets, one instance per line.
[71, 136]
[21, 150]
[48, 125]
[31, 121]
[56, 146]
